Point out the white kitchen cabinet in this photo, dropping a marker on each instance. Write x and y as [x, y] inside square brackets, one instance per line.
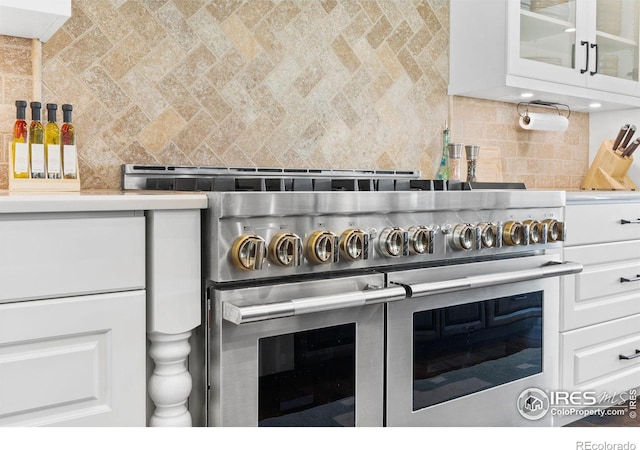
[73, 319]
[76, 361]
[564, 51]
[38, 19]
[600, 307]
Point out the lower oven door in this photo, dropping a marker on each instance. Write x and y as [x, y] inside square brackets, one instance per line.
[299, 354]
[460, 355]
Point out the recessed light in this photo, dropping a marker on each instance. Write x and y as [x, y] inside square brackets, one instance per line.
[569, 30]
[595, 105]
[526, 94]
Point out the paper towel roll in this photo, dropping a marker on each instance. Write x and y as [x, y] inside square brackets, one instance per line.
[544, 122]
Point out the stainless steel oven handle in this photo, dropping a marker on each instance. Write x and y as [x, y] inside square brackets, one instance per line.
[253, 313]
[460, 284]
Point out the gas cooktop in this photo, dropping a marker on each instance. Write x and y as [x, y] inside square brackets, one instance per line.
[245, 179]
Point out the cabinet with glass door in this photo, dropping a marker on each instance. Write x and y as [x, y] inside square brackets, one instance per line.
[583, 43]
[565, 51]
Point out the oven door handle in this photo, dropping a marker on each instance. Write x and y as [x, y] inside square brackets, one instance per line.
[551, 269]
[253, 313]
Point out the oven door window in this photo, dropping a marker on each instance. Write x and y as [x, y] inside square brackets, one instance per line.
[308, 378]
[459, 350]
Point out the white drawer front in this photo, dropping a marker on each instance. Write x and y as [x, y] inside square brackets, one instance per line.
[591, 356]
[590, 224]
[78, 361]
[598, 293]
[56, 257]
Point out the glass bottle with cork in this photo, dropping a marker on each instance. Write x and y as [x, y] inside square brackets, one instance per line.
[52, 143]
[68, 145]
[36, 142]
[19, 144]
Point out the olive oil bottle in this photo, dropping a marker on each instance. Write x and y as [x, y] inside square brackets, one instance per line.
[52, 143]
[68, 145]
[19, 145]
[36, 143]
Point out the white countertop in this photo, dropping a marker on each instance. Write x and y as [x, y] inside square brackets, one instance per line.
[588, 197]
[97, 200]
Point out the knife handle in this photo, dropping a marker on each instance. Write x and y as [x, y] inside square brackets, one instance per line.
[631, 148]
[625, 221]
[628, 136]
[620, 135]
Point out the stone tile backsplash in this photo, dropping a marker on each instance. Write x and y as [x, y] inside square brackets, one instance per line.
[297, 83]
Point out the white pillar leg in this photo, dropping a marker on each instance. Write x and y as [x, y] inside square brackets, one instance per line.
[170, 383]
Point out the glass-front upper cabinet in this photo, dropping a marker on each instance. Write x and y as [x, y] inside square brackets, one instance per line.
[593, 43]
[616, 38]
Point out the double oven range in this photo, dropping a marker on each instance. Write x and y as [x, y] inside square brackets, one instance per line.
[369, 298]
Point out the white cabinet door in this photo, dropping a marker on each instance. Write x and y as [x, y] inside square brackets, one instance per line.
[76, 361]
[545, 41]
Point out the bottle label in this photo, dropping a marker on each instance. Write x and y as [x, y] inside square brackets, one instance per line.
[37, 160]
[69, 158]
[21, 158]
[53, 161]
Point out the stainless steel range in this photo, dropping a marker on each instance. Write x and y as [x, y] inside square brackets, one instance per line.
[370, 298]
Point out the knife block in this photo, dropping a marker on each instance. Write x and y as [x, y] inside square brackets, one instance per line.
[608, 171]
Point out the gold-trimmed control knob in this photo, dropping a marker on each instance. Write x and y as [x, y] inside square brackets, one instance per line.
[537, 231]
[285, 249]
[354, 244]
[421, 239]
[394, 242]
[555, 230]
[515, 233]
[322, 247]
[489, 235]
[248, 252]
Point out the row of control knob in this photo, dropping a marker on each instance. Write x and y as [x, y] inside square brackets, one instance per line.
[511, 233]
[286, 249]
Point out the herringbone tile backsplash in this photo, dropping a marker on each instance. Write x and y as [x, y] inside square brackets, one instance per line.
[256, 83]
[295, 83]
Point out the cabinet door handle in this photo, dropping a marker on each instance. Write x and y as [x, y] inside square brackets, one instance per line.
[586, 66]
[595, 46]
[625, 221]
[634, 356]
[629, 280]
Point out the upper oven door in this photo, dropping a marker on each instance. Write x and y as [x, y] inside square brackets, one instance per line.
[464, 357]
[300, 354]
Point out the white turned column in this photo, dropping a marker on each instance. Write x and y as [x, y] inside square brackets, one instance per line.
[170, 383]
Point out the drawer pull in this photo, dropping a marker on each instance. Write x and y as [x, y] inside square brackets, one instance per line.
[635, 355]
[629, 280]
[625, 221]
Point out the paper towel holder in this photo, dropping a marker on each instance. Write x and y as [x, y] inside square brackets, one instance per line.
[524, 117]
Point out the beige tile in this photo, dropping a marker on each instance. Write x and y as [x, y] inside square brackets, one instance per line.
[346, 55]
[371, 9]
[103, 15]
[177, 27]
[105, 88]
[328, 5]
[145, 23]
[400, 36]
[161, 130]
[15, 61]
[125, 56]
[241, 37]
[191, 136]
[379, 32]
[221, 9]
[86, 50]
[252, 12]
